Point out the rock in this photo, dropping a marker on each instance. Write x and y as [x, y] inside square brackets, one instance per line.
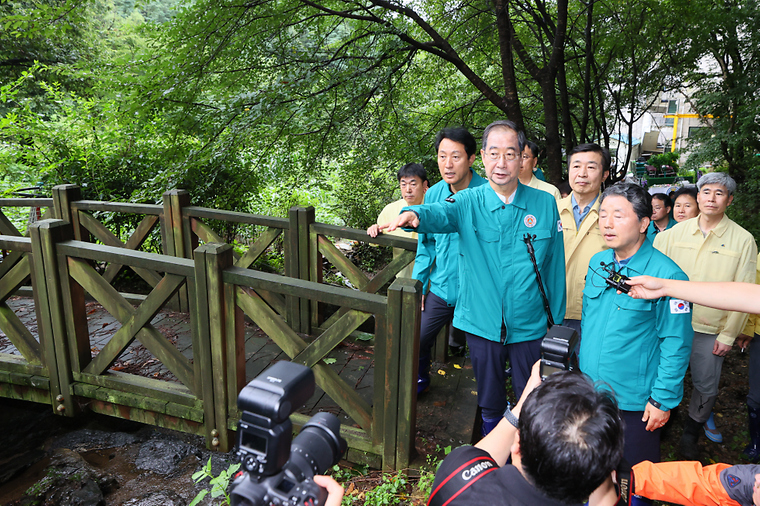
[160, 498]
[90, 439]
[70, 480]
[162, 456]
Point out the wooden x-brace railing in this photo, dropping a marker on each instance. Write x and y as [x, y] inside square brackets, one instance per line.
[135, 322]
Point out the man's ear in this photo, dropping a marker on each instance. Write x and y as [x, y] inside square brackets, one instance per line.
[515, 450]
[644, 224]
[605, 175]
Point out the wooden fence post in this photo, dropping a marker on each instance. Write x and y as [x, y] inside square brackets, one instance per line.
[63, 196]
[50, 311]
[175, 238]
[210, 260]
[387, 352]
[409, 352]
[305, 220]
[292, 304]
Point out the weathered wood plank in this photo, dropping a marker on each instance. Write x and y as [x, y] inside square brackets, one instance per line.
[15, 243]
[305, 219]
[19, 335]
[136, 240]
[150, 403]
[175, 393]
[236, 217]
[16, 364]
[25, 393]
[331, 338]
[99, 230]
[343, 264]
[291, 269]
[14, 278]
[271, 323]
[368, 302]
[117, 207]
[390, 381]
[147, 417]
[115, 304]
[6, 227]
[218, 257]
[260, 246]
[409, 350]
[202, 347]
[152, 261]
[45, 237]
[167, 287]
[24, 202]
[361, 236]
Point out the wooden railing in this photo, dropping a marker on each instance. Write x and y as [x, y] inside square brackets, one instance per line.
[217, 287]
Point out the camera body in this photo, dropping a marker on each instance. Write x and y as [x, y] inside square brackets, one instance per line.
[559, 350]
[277, 468]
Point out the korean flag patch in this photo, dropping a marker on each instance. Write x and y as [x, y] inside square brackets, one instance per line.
[678, 306]
[559, 225]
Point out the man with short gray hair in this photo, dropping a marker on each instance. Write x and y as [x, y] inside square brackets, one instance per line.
[710, 248]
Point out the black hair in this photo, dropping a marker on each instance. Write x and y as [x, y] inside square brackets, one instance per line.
[412, 170]
[571, 436]
[460, 135]
[685, 190]
[594, 148]
[505, 124]
[564, 187]
[633, 193]
[665, 199]
[533, 148]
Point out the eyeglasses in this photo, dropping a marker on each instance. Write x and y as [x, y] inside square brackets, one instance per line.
[508, 156]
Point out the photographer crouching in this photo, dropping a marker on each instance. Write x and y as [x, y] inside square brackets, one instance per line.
[565, 438]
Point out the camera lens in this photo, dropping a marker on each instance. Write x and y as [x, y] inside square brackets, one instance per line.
[317, 447]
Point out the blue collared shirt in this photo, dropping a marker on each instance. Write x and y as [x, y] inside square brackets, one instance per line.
[577, 213]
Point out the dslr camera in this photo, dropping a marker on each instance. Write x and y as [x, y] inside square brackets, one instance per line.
[559, 350]
[278, 469]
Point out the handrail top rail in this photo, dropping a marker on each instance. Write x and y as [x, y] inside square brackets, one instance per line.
[124, 256]
[120, 207]
[360, 235]
[16, 243]
[236, 217]
[346, 297]
[26, 202]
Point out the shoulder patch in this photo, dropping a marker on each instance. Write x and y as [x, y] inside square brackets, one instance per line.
[733, 480]
[450, 199]
[559, 225]
[678, 306]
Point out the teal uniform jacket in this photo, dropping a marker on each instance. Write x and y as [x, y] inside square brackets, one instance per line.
[641, 348]
[497, 282]
[652, 231]
[437, 258]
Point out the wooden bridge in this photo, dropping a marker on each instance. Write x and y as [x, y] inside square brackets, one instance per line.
[56, 358]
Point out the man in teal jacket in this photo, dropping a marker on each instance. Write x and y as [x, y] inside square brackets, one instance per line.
[499, 305]
[640, 348]
[437, 259]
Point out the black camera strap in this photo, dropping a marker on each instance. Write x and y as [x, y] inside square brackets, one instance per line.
[460, 479]
[528, 239]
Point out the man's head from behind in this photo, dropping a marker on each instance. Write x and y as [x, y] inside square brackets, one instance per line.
[571, 437]
[413, 181]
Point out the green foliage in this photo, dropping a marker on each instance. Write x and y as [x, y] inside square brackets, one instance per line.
[670, 158]
[391, 491]
[219, 484]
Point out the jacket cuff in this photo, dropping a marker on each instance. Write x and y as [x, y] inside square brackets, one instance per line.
[727, 340]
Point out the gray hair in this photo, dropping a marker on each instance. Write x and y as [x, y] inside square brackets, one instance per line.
[505, 124]
[633, 193]
[720, 178]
